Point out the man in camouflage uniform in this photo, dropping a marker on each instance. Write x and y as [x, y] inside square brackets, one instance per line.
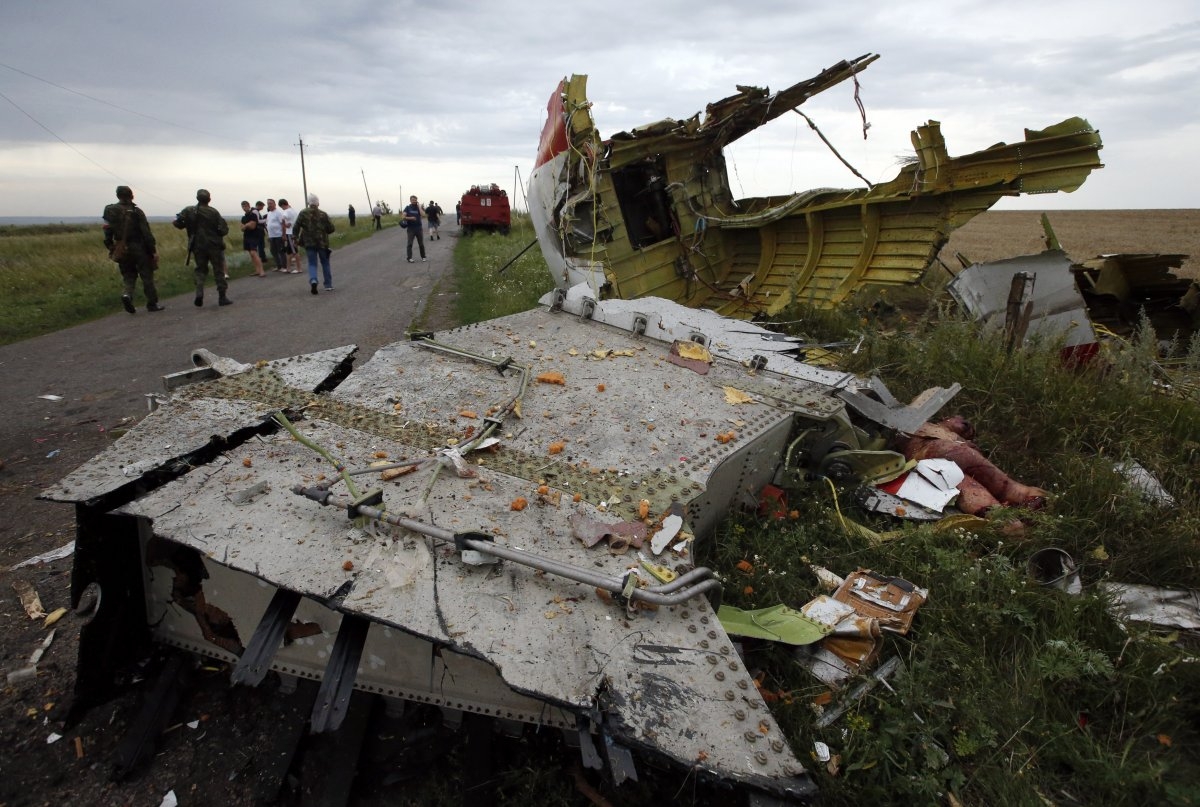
[126, 223]
[206, 237]
[312, 232]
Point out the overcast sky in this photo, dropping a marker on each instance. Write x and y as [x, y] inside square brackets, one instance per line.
[428, 98]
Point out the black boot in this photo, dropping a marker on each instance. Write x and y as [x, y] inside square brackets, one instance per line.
[127, 302]
[223, 300]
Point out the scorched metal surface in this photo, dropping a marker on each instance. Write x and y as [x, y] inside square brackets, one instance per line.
[206, 489]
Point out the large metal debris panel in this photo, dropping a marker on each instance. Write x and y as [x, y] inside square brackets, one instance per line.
[631, 425]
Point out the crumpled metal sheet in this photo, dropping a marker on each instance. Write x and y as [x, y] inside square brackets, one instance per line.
[1058, 307]
[1163, 607]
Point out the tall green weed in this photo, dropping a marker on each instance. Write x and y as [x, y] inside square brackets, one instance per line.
[490, 282]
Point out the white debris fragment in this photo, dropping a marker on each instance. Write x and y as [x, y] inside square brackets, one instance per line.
[46, 557]
[53, 738]
[933, 483]
[670, 528]
[1144, 483]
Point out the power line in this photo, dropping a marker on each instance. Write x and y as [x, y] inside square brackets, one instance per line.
[114, 106]
[54, 134]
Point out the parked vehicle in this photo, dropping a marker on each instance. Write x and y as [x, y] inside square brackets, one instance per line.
[485, 208]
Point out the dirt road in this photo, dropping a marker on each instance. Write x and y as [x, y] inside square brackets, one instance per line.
[100, 373]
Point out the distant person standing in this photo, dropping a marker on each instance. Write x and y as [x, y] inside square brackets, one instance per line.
[131, 244]
[274, 232]
[206, 239]
[250, 239]
[312, 232]
[412, 223]
[433, 216]
[350, 214]
[261, 231]
[291, 249]
[458, 212]
[377, 216]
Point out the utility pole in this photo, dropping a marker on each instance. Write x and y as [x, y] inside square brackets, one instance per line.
[520, 186]
[365, 188]
[303, 174]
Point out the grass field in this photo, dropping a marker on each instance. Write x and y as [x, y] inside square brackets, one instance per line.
[54, 276]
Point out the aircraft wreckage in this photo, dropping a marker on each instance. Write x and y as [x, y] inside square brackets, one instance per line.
[650, 212]
[499, 520]
[429, 526]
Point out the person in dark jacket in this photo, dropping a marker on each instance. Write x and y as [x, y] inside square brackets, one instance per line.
[137, 255]
[206, 239]
[412, 221]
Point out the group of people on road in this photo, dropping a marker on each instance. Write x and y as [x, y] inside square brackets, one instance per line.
[131, 243]
[287, 229]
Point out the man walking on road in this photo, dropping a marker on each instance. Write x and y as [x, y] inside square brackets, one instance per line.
[433, 215]
[312, 232]
[131, 244]
[206, 236]
[377, 216]
[412, 222]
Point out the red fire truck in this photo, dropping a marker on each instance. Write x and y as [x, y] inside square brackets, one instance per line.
[484, 207]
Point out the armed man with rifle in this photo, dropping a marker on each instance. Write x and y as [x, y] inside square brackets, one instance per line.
[206, 231]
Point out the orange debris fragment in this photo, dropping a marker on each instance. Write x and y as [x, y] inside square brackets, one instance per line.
[552, 377]
[519, 503]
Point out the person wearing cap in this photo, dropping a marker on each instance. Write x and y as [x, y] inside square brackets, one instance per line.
[131, 244]
[312, 230]
[206, 236]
